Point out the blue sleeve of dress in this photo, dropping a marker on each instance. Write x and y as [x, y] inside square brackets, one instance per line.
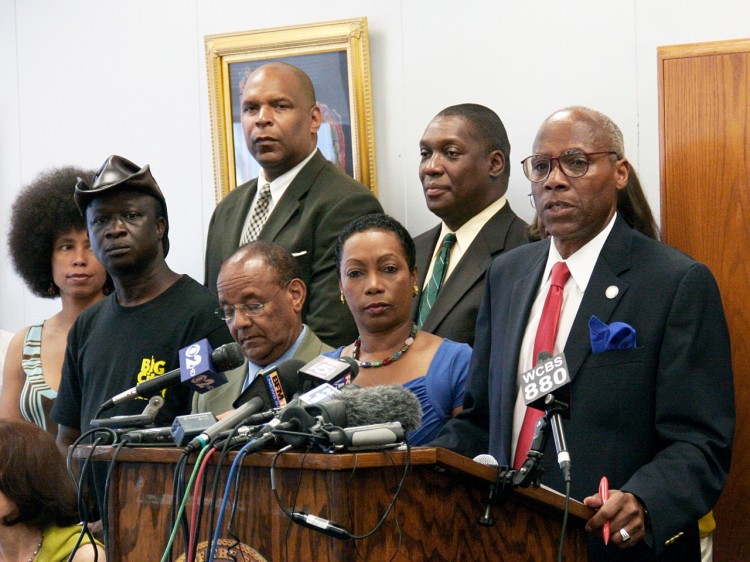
[446, 377]
[336, 353]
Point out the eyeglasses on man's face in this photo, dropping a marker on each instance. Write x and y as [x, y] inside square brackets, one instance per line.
[249, 309]
[573, 163]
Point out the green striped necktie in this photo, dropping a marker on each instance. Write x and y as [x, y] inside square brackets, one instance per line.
[429, 295]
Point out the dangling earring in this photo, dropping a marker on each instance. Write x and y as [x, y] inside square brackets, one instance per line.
[52, 291]
[415, 289]
[343, 300]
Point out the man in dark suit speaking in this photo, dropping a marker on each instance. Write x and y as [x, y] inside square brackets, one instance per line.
[646, 342]
[300, 200]
[464, 170]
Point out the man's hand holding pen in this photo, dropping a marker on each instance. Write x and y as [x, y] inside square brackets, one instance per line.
[625, 514]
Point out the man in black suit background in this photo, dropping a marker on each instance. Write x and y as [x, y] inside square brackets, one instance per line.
[464, 170]
[646, 343]
[300, 200]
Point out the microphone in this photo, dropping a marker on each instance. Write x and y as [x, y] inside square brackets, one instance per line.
[381, 404]
[161, 435]
[238, 416]
[274, 388]
[486, 519]
[543, 387]
[228, 356]
[334, 371]
[196, 369]
[360, 437]
[500, 489]
[267, 391]
[316, 394]
[549, 376]
[366, 414]
[486, 460]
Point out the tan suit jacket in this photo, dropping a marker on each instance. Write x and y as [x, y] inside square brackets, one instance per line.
[219, 400]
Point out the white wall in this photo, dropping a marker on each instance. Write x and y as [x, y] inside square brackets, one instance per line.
[83, 79]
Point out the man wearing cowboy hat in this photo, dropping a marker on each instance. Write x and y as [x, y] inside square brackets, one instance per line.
[136, 333]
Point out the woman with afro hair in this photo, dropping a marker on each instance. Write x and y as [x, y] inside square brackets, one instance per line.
[50, 250]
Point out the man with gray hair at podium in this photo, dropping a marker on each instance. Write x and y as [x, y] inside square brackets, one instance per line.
[641, 325]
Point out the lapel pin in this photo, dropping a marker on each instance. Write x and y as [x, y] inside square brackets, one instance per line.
[612, 291]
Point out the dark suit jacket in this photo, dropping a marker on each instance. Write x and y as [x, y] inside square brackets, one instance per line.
[658, 419]
[308, 218]
[454, 313]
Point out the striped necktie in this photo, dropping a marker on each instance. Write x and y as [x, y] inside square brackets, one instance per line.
[429, 295]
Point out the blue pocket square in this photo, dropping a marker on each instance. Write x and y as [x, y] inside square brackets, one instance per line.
[608, 337]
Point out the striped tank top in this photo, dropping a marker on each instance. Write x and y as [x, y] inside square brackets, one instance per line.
[37, 397]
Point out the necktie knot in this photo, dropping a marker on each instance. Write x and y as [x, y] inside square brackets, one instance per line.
[560, 274]
[448, 241]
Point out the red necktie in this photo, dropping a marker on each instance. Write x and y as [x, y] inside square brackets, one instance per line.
[544, 341]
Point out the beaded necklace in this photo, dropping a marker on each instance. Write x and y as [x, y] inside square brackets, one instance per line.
[388, 360]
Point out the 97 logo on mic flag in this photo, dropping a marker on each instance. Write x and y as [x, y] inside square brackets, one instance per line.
[543, 379]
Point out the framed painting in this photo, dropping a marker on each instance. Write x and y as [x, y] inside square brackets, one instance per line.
[335, 55]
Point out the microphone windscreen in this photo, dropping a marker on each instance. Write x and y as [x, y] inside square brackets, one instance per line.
[227, 357]
[381, 404]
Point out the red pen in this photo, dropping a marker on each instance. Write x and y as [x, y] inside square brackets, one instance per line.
[604, 494]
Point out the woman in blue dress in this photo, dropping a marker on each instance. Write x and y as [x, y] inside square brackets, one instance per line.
[375, 259]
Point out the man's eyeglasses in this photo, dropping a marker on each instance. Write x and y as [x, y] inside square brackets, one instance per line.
[573, 164]
[251, 309]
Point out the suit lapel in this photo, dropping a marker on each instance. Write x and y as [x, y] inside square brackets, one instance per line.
[289, 203]
[489, 242]
[425, 246]
[472, 267]
[223, 396]
[310, 345]
[524, 293]
[614, 259]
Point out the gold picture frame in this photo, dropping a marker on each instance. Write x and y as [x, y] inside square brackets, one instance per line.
[335, 54]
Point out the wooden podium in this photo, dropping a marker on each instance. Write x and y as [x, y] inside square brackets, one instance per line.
[435, 516]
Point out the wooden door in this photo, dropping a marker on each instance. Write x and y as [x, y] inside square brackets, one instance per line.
[704, 126]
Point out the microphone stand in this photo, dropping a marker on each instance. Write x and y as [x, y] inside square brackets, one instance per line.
[528, 473]
[133, 421]
[531, 470]
[499, 494]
